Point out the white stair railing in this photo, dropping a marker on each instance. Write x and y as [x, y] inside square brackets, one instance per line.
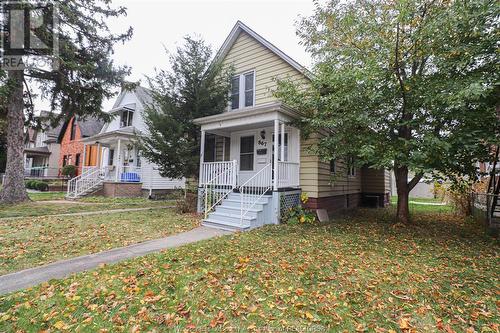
[255, 188]
[87, 181]
[218, 187]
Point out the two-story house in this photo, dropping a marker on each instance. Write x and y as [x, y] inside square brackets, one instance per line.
[253, 163]
[73, 151]
[41, 149]
[120, 169]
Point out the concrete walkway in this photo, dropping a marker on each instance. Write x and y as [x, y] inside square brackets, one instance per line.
[33, 276]
[96, 212]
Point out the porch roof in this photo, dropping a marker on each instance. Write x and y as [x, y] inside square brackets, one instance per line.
[262, 115]
[37, 151]
[106, 138]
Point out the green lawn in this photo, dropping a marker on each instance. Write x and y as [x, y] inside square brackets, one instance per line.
[33, 241]
[44, 196]
[39, 207]
[423, 205]
[358, 273]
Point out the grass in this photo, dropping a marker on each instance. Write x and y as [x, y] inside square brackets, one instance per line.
[357, 273]
[45, 196]
[425, 205]
[31, 242]
[40, 208]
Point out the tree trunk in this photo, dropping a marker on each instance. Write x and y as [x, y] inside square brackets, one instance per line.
[13, 189]
[403, 190]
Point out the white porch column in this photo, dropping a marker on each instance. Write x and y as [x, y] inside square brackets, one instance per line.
[202, 155]
[282, 142]
[118, 159]
[99, 156]
[84, 157]
[275, 156]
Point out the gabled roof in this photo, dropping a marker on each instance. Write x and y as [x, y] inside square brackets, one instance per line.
[88, 127]
[143, 95]
[241, 27]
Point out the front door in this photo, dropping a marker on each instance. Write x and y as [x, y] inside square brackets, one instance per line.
[253, 152]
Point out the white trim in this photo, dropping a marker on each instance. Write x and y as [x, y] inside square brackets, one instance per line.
[238, 28]
[255, 111]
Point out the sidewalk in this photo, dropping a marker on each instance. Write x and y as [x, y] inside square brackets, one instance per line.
[33, 276]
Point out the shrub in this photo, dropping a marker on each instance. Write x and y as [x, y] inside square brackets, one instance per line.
[459, 195]
[299, 214]
[42, 186]
[69, 170]
[37, 185]
[186, 204]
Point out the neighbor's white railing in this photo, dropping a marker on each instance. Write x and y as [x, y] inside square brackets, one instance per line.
[36, 172]
[221, 183]
[86, 182]
[130, 174]
[255, 188]
[288, 174]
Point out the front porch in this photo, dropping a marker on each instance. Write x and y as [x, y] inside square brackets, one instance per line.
[247, 157]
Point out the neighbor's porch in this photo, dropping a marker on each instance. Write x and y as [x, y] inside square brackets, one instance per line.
[117, 156]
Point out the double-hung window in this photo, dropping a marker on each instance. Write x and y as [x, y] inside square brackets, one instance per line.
[242, 91]
[126, 118]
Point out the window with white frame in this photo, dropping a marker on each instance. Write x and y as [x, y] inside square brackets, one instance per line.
[126, 118]
[242, 91]
[285, 147]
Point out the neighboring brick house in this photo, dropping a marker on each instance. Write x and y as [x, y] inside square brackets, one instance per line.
[72, 148]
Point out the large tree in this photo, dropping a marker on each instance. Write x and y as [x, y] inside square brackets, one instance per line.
[195, 86]
[408, 85]
[77, 81]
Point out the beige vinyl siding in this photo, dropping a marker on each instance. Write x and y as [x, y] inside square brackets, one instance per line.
[247, 54]
[338, 183]
[308, 168]
[376, 180]
[316, 179]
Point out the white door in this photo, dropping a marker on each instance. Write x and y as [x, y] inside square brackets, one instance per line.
[253, 151]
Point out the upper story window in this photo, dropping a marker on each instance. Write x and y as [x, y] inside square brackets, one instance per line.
[243, 91]
[73, 130]
[126, 118]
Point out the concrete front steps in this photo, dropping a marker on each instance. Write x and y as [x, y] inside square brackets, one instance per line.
[227, 216]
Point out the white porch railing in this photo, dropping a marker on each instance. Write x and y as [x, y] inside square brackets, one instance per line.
[87, 181]
[129, 174]
[221, 183]
[212, 170]
[288, 174]
[255, 188]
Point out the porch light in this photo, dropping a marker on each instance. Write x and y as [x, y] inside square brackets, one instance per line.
[263, 134]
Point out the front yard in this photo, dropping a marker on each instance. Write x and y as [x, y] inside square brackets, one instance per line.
[33, 241]
[357, 273]
[49, 203]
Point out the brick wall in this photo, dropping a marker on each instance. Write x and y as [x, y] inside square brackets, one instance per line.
[122, 190]
[335, 203]
[71, 148]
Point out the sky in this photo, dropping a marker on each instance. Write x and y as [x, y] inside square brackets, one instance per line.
[160, 25]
